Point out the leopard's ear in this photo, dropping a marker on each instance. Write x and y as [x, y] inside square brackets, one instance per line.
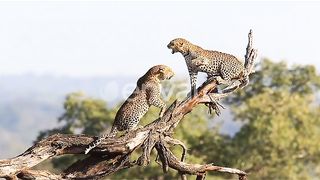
[180, 44]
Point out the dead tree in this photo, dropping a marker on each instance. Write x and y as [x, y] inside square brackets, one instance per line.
[114, 153]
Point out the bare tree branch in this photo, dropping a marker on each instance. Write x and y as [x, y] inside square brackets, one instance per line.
[250, 57]
[193, 169]
[113, 154]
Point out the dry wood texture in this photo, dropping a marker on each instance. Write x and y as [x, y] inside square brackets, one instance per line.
[114, 153]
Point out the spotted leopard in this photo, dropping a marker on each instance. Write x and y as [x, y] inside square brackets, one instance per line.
[222, 66]
[146, 94]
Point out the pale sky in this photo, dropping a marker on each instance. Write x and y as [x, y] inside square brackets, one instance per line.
[127, 38]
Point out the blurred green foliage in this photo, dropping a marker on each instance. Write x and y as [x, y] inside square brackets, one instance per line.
[278, 139]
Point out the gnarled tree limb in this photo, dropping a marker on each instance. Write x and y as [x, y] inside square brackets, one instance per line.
[113, 154]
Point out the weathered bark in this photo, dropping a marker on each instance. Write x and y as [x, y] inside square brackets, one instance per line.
[114, 153]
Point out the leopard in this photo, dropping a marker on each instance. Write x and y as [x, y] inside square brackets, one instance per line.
[223, 67]
[146, 94]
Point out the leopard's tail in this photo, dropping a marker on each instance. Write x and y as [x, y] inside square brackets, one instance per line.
[98, 141]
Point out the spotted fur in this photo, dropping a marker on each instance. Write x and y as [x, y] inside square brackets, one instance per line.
[216, 64]
[146, 94]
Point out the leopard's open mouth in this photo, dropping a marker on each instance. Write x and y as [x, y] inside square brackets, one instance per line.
[170, 46]
[170, 76]
[173, 50]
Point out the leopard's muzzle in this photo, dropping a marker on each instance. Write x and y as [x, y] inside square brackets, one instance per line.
[172, 47]
[170, 75]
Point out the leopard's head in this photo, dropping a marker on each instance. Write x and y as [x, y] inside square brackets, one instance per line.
[162, 72]
[179, 45]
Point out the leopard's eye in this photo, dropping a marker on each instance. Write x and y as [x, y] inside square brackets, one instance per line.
[161, 70]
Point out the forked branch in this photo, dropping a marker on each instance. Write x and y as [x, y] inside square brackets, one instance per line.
[113, 154]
